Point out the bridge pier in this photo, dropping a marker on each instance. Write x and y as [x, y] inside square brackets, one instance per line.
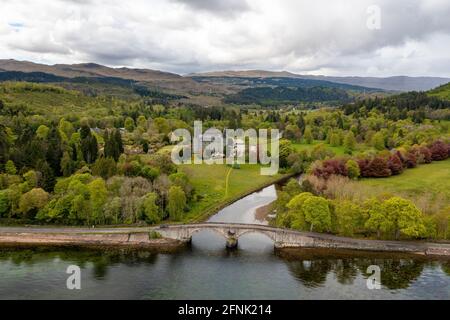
[232, 243]
[232, 239]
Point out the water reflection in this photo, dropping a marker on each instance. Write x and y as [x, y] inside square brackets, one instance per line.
[398, 271]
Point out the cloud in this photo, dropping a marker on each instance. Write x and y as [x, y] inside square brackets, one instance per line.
[218, 7]
[320, 37]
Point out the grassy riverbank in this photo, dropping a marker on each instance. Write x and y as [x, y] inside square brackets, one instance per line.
[219, 185]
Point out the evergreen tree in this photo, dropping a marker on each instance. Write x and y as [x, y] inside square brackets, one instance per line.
[54, 150]
[89, 145]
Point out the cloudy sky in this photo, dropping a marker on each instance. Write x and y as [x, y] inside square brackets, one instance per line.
[328, 37]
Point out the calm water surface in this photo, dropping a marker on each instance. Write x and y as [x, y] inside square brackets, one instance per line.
[206, 270]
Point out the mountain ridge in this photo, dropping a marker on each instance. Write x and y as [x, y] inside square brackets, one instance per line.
[395, 83]
[175, 81]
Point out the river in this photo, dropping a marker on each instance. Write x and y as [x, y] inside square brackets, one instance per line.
[206, 270]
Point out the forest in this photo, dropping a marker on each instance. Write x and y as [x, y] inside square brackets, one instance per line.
[71, 158]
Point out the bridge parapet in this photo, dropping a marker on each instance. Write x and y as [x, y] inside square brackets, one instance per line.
[231, 232]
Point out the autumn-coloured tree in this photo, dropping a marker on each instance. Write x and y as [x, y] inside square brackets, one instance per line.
[439, 150]
[378, 167]
[426, 154]
[395, 164]
[410, 160]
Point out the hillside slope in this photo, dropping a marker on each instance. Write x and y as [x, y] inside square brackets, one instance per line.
[442, 92]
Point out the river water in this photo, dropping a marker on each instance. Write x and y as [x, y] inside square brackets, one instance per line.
[206, 270]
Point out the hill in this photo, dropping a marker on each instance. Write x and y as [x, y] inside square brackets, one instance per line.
[396, 83]
[152, 78]
[442, 92]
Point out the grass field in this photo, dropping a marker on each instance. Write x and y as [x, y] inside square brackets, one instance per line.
[210, 182]
[308, 147]
[433, 178]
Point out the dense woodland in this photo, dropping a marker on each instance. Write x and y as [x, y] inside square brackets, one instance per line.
[71, 158]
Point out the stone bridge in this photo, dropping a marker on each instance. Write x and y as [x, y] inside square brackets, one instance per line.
[285, 238]
[232, 231]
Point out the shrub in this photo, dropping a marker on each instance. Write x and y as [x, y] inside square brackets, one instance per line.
[352, 168]
[395, 164]
[439, 150]
[426, 154]
[331, 167]
[411, 160]
[378, 167]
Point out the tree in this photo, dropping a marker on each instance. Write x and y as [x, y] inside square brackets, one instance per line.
[308, 135]
[176, 202]
[292, 187]
[10, 168]
[378, 141]
[317, 213]
[31, 178]
[377, 218]
[292, 132]
[378, 167]
[98, 195]
[142, 122]
[350, 141]
[47, 181]
[403, 217]
[335, 139]
[301, 123]
[320, 152]
[89, 145]
[113, 144]
[67, 164]
[145, 147]
[439, 151]
[285, 149]
[352, 167]
[4, 202]
[54, 151]
[395, 164]
[112, 210]
[65, 129]
[104, 167]
[150, 210]
[349, 217]
[129, 124]
[42, 132]
[4, 144]
[295, 217]
[32, 201]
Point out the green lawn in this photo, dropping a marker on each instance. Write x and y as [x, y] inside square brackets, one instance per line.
[210, 184]
[340, 150]
[427, 178]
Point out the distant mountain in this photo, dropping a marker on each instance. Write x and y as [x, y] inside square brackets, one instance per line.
[397, 83]
[154, 78]
[88, 70]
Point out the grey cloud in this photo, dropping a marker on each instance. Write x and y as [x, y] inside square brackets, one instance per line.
[218, 7]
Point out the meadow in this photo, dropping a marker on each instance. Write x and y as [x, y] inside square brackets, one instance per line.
[433, 177]
[218, 184]
[339, 150]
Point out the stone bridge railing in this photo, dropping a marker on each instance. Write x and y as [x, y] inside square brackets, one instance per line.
[290, 238]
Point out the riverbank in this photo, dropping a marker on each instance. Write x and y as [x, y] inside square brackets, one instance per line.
[208, 211]
[35, 236]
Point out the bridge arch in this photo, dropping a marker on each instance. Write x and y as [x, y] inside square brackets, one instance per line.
[268, 234]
